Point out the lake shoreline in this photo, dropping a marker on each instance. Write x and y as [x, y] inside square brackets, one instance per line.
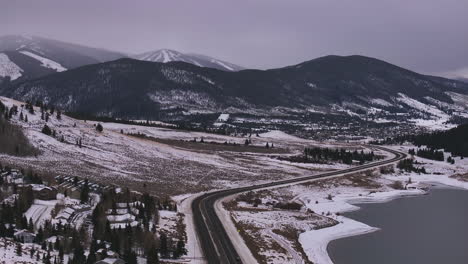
[315, 242]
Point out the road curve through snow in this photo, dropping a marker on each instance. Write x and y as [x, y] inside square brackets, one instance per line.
[217, 245]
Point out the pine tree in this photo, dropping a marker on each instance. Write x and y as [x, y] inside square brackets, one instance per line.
[180, 249]
[84, 195]
[19, 249]
[78, 255]
[46, 130]
[130, 257]
[30, 225]
[152, 257]
[163, 245]
[91, 258]
[99, 128]
[31, 252]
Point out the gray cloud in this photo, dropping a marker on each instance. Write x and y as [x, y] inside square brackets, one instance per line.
[424, 35]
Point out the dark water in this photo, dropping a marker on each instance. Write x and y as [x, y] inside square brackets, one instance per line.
[428, 229]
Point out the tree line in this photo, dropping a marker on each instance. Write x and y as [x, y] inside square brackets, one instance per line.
[12, 139]
[324, 155]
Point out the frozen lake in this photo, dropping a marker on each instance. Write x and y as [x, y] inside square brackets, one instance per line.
[429, 229]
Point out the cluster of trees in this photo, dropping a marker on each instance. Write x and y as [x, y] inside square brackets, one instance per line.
[289, 206]
[141, 240]
[180, 125]
[129, 241]
[454, 140]
[12, 139]
[345, 156]
[8, 113]
[408, 166]
[46, 110]
[427, 153]
[324, 155]
[53, 133]
[11, 215]
[432, 154]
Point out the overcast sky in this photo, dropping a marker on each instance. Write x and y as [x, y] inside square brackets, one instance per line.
[429, 36]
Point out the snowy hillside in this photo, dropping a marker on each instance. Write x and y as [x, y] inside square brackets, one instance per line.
[9, 68]
[346, 91]
[166, 159]
[45, 62]
[167, 55]
[68, 55]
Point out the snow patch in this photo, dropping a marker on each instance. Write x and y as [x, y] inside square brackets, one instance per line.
[9, 68]
[45, 62]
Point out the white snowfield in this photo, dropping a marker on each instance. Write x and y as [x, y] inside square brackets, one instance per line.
[168, 55]
[9, 68]
[40, 211]
[45, 62]
[8, 253]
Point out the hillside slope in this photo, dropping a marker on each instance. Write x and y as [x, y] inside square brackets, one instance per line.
[33, 57]
[353, 85]
[167, 55]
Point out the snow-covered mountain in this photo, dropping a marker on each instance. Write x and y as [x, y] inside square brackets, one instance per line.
[26, 57]
[67, 54]
[25, 64]
[167, 55]
[352, 86]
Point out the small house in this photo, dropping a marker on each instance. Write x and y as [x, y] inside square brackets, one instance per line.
[43, 192]
[25, 236]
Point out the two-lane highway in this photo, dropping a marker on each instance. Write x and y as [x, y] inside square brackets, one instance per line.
[216, 245]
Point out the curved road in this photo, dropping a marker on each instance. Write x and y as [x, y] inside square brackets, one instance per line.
[216, 245]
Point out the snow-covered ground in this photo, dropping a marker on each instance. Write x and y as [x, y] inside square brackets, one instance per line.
[164, 166]
[40, 211]
[9, 68]
[193, 246]
[45, 62]
[9, 254]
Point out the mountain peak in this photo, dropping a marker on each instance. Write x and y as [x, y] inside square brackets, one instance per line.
[169, 55]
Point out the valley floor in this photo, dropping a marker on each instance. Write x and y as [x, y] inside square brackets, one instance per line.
[182, 164]
[152, 159]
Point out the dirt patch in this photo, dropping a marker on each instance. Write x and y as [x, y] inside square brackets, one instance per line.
[460, 177]
[292, 235]
[256, 242]
[366, 179]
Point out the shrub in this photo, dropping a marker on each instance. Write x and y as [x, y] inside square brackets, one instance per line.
[99, 128]
[46, 130]
[397, 185]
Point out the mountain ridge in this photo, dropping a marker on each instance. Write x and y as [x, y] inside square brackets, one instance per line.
[354, 85]
[168, 55]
